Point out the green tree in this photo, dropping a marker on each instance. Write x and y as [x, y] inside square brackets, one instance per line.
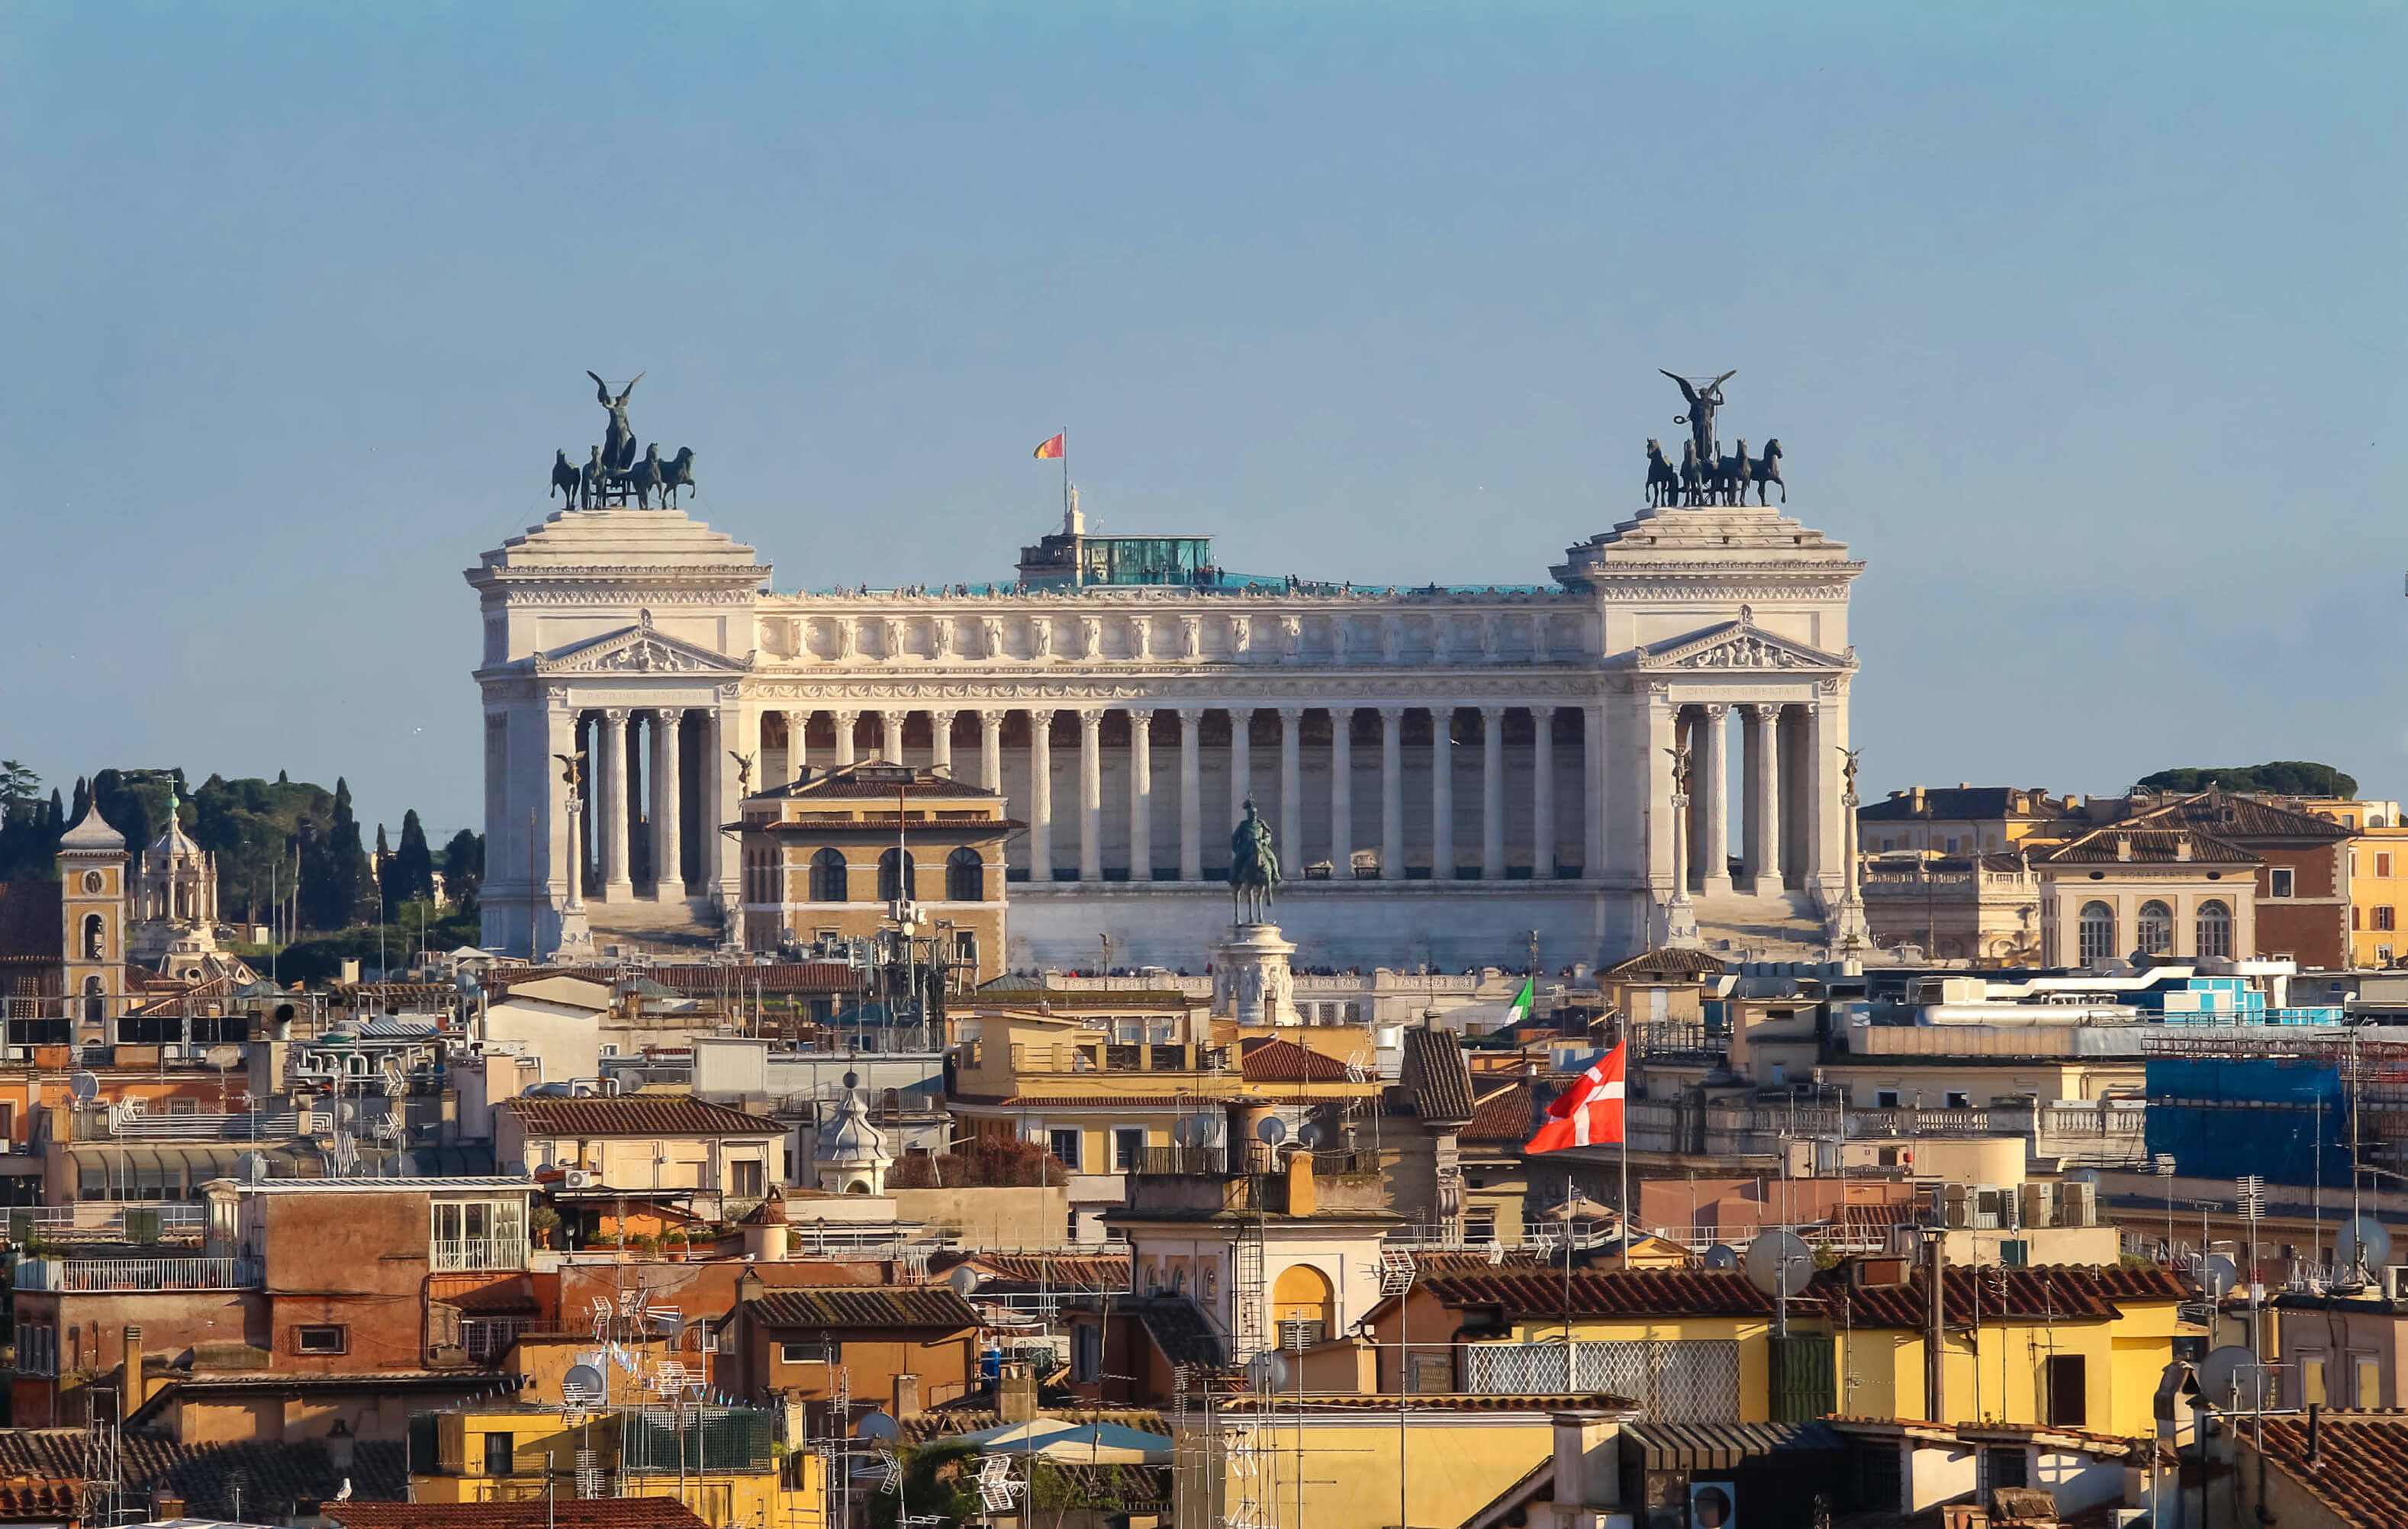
[410, 875]
[2275, 777]
[336, 891]
[463, 867]
[251, 826]
[29, 826]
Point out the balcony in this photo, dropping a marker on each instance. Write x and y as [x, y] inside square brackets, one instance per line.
[451, 1254]
[71, 1275]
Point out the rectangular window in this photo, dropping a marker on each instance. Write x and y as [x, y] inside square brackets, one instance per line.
[1128, 1149]
[1086, 1352]
[1066, 1148]
[2069, 1390]
[500, 1454]
[317, 1341]
[816, 1351]
[1885, 1098]
[748, 1176]
[2383, 866]
[2279, 882]
[2009, 1467]
[1959, 1099]
[2382, 917]
[2370, 1380]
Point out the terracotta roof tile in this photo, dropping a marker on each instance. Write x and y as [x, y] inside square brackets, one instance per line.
[2147, 846]
[1605, 1292]
[270, 1476]
[862, 1306]
[1505, 1115]
[2361, 1469]
[530, 1513]
[1958, 804]
[2058, 1293]
[1433, 1077]
[637, 1115]
[1014, 1274]
[2241, 819]
[1676, 966]
[1277, 1061]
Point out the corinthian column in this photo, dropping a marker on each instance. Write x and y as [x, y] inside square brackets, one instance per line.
[1542, 792]
[844, 721]
[890, 737]
[616, 887]
[1492, 792]
[1342, 793]
[1760, 771]
[1291, 818]
[1442, 793]
[1714, 847]
[1091, 794]
[1141, 794]
[991, 752]
[798, 728]
[1392, 793]
[1041, 795]
[1191, 795]
[669, 869]
[1241, 760]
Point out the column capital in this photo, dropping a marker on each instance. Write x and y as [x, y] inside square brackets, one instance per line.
[1716, 711]
[1291, 715]
[942, 719]
[1493, 712]
[615, 716]
[845, 718]
[1393, 715]
[669, 714]
[1761, 712]
[1090, 718]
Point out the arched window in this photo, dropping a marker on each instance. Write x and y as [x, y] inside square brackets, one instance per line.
[2214, 930]
[964, 877]
[1303, 1306]
[2155, 928]
[96, 1003]
[828, 876]
[896, 877]
[96, 937]
[2097, 933]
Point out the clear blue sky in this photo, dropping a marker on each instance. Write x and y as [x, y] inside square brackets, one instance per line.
[2082, 325]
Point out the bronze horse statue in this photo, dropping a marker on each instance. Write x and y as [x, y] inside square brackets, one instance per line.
[1731, 476]
[1766, 469]
[1663, 481]
[564, 479]
[1253, 867]
[645, 478]
[676, 473]
[595, 480]
[1693, 477]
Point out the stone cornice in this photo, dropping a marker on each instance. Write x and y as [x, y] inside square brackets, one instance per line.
[1249, 602]
[1206, 692]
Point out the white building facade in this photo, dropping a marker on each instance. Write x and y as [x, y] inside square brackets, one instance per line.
[1447, 770]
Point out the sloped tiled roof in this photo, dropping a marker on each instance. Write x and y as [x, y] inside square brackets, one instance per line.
[2052, 1292]
[559, 1512]
[862, 1306]
[1605, 1292]
[1020, 1274]
[2361, 1468]
[1962, 804]
[875, 780]
[637, 1115]
[2158, 846]
[1433, 1079]
[691, 979]
[1278, 1061]
[1670, 965]
[1177, 1329]
[1504, 1115]
[270, 1476]
[2240, 818]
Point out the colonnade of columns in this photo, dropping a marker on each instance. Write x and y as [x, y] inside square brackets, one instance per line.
[648, 794]
[1782, 748]
[1312, 827]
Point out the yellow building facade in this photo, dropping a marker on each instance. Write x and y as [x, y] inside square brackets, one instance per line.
[717, 1461]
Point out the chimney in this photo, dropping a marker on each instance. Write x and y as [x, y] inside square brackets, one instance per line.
[2122, 846]
[2182, 848]
[129, 1383]
[906, 1396]
[1015, 1392]
[1588, 1465]
[1299, 1183]
[1918, 798]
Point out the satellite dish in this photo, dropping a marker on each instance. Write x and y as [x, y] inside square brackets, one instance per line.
[879, 1426]
[1778, 1262]
[516, 1168]
[2083, 1176]
[2362, 1241]
[1268, 1371]
[85, 1087]
[254, 1168]
[1272, 1131]
[964, 1281]
[1182, 1131]
[2220, 1372]
[1722, 1255]
[581, 1386]
[852, 1081]
[1313, 1134]
[2218, 1276]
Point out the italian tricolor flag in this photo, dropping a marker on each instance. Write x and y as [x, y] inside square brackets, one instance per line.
[1523, 1002]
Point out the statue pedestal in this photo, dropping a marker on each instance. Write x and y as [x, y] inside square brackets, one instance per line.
[1850, 935]
[576, 947]
[1676, 924]
[1251, 981]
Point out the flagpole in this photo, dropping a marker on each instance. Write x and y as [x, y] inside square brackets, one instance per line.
[1624, 1042]
[1066, 479]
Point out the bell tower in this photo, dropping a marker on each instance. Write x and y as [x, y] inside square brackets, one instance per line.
[92, 917]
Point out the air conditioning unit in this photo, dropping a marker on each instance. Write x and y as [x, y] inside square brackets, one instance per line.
[2395, 1282]
[2077, 1204]
[577, 1178]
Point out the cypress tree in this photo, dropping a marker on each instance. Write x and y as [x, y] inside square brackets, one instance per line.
[413, 863]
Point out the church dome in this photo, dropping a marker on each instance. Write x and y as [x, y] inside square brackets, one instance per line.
[174, 843]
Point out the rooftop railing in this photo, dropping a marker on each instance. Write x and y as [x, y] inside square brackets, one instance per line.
[72, 1275]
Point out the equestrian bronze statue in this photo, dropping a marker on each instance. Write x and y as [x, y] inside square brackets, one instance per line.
[1253, 867]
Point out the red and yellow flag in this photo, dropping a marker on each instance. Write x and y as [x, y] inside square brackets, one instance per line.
[1047, 449]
